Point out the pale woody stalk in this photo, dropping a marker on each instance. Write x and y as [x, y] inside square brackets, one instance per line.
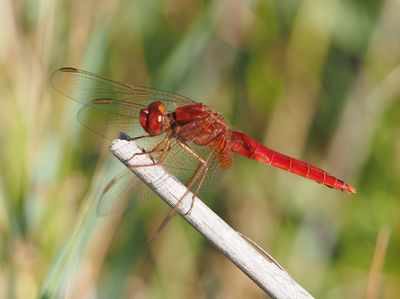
[264, 272]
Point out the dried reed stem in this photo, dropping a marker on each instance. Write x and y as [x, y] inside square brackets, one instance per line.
[265, 273]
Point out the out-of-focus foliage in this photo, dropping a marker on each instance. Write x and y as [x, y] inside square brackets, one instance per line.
[319, 80]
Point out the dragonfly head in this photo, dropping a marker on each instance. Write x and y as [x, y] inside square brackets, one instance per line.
[154, 119]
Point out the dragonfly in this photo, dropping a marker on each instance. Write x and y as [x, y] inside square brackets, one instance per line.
[188, 138]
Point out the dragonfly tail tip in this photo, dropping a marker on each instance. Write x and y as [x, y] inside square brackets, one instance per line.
[350, 189]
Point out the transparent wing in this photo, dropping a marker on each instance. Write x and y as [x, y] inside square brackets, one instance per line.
[122, 192]
[110, 107]
[126, 190]
[184, 165]
[84, 87]
[108, 118]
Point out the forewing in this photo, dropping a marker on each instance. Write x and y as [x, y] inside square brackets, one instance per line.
[109, 118]
[84, 87]
[110, 108]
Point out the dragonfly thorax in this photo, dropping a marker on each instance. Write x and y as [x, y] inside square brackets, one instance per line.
[154, 119]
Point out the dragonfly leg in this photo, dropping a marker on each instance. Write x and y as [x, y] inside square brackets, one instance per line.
[191, 151]
[201, 170]
[162, 147]
[172, 212]
[203, 174]
[125, 136]
[202, 177]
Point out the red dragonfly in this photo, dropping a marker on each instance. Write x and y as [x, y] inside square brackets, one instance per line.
[188, 138]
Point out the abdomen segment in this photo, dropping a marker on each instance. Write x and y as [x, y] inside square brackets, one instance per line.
[246, 146]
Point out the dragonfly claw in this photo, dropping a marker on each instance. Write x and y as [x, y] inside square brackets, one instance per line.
[124, 136]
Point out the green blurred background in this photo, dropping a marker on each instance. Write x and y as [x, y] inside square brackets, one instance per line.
[316, 79]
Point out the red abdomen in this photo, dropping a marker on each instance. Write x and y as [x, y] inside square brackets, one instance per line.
[250, 148]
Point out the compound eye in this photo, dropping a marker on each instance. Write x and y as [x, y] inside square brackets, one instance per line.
[155, 122]
[143, 117]
[157, 105]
